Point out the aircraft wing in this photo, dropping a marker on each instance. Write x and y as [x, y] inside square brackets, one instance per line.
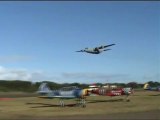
[64, 96]
[51, 97]
[101, 47]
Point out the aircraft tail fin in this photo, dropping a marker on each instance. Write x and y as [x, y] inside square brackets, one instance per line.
[43, 88]
[146, 86]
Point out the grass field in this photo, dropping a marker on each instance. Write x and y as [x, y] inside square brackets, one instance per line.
[36, 108]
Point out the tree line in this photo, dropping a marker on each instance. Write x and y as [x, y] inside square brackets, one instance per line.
[28, 86]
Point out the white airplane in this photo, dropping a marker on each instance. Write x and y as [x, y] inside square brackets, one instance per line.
[96, 50]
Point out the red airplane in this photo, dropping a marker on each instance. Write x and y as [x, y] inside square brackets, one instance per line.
[113, 92]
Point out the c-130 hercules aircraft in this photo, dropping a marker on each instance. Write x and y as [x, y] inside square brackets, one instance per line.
[96, 50]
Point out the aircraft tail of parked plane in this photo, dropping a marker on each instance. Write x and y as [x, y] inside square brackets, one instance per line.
[43, 88]
[148, 87]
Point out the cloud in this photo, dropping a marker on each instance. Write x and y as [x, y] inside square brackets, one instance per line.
[18, 74]
[80, 77]
[14, 58]
[24, 74]
[95, 77]
[14, 74]
[39, 75]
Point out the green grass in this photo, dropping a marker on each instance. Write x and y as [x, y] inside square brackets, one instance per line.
[33, 107]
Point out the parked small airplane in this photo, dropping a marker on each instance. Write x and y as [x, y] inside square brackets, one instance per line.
[96, 50]
[113, 92]
[93, 87]
[148, 87]
[64, 93]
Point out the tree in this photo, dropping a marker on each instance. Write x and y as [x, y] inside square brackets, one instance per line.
[132, 85]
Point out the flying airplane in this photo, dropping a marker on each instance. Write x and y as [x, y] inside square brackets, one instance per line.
[113, 92]
[71, 92]
[149, 88]
[96, 50]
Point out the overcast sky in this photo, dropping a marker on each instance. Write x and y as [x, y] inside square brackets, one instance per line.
[38, 41]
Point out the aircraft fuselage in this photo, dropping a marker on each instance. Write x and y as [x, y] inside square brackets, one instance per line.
[92, 51]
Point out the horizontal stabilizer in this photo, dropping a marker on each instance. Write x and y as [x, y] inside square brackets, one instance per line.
[106, 49]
